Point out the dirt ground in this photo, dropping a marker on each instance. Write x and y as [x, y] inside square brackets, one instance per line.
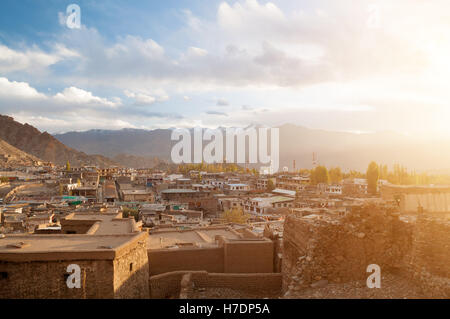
[392, 287]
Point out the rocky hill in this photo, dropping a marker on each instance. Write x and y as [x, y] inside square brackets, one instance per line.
[13, 157]
[44, 146]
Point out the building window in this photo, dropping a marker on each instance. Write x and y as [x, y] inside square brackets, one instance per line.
[3, 275]
[131, 266]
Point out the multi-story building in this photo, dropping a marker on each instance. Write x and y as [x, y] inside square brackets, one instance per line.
[294, 183]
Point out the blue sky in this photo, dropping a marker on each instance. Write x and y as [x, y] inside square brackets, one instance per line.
[361, 67]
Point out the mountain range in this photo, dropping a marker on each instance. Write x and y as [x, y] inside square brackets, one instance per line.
[148, 148]
[347, 150]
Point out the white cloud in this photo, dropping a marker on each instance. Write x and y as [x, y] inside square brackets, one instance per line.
[18, 90]
[69, 122]
[32, 59]
[252, 43]
[192, 21]
[74, 95]
[193, 51]
[131, 46]
[259, 48]
[140, 98]
[146, 98]
[249, 15]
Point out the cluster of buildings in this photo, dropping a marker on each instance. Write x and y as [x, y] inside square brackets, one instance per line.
[124, 226]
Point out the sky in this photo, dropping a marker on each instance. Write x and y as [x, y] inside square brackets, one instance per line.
[356, 66]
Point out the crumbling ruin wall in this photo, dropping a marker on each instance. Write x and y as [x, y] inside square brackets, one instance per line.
[430, 257]
[339, 248]
[165, 285]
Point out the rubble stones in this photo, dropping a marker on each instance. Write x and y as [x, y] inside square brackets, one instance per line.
[341, 251]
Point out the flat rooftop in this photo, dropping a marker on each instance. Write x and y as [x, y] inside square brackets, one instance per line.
[108, 224]
[62, 247]
[175, 191]
[136, 192]
[200, 237]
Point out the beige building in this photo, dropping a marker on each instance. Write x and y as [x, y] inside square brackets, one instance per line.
[216, 249]
[110, 251]
[36, 266]
[137, 195]
[412, 199]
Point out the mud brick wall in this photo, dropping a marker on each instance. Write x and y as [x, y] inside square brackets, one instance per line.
[47, 279]
[430, 260]
[186, 286]
[168, 260]
[251, 256]
[248, 256]
[251, 283]
[169, 285]
[132, 273]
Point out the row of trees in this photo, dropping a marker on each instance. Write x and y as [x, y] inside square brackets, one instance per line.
[215, 168]
[398, 176]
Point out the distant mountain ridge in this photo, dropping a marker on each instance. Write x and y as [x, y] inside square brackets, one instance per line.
[111, 143]
[44, 146]
[347, 150]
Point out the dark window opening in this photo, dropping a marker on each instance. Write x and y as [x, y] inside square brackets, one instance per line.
[131, 266]
[66, 276]
[3, 275]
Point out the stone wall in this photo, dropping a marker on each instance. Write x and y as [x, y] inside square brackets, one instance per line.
[131, 273]
[47, 279]
[173, 285]
[119, 273]
[167, 285]
[339, 248]
[430, 257]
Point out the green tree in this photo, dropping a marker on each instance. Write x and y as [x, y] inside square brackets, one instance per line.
[335, 175]
[236, 215]
[320, 175]
[372, 175]
[270, 185]
[68, 166]
[130, 212]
